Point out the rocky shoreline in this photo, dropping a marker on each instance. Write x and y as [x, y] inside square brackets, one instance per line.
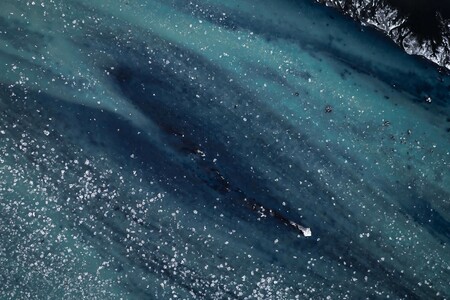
[387, 18]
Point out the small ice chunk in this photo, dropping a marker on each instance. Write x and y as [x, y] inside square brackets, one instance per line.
[307, 231]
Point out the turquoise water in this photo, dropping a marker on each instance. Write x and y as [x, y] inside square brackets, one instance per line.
[160, 149]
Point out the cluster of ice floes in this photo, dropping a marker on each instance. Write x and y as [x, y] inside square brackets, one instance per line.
[385, 17]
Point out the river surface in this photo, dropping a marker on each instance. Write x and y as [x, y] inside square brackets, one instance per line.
[164, 150]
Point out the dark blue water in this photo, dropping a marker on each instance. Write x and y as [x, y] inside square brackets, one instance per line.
[171, 150]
